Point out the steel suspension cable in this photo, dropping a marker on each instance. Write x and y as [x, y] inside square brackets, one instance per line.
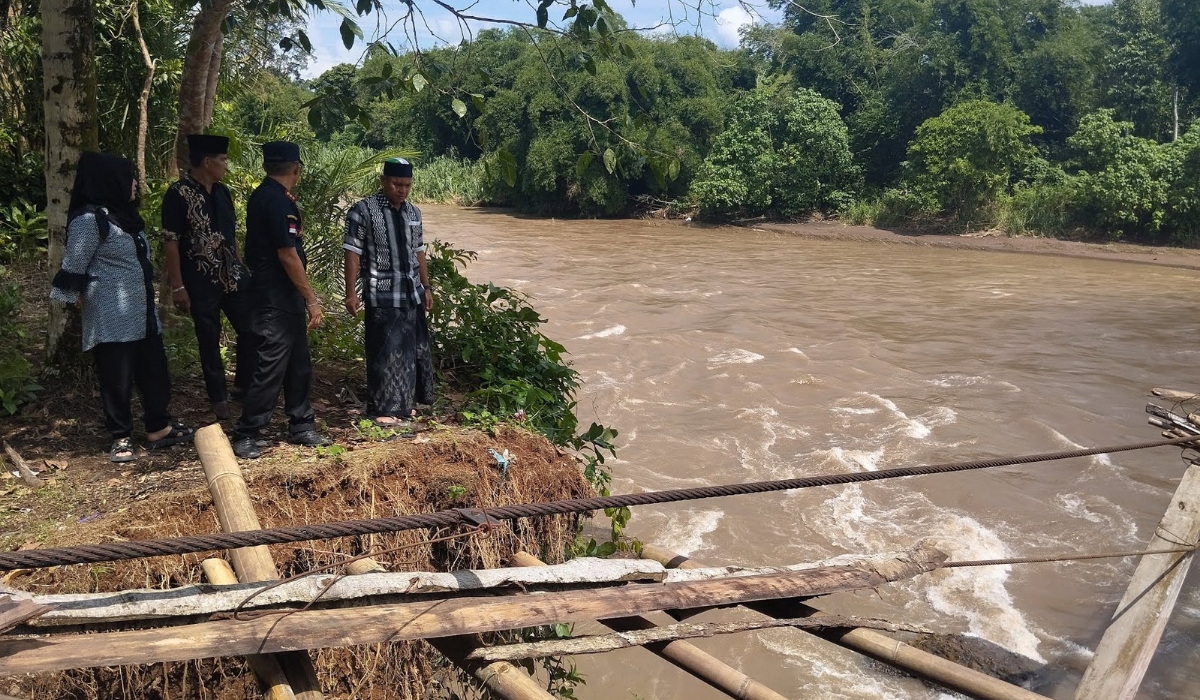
[136, 549]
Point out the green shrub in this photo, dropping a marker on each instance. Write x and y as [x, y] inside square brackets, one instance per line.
[1182, 219]
[780, 155]
[1046, 208]
[447, 180]
[1123, 180]
[967, 157]
[17, 386]
[22, 232]
[899, 205]
[487, 340]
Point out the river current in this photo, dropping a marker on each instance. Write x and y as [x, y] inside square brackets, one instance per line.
[726, 355]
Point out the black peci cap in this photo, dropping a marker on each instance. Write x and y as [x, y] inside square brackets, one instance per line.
[397, 167]
[206, 145]
[281, 152]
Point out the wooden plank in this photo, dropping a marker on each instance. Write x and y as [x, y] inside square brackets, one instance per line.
[189, 601]
[1131, 639]
[14, 611]
[417, 620]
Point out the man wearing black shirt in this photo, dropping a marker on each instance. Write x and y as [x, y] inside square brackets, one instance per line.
[285, 306]
[204, 270]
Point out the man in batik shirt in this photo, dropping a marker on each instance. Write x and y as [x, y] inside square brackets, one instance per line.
[203, 267]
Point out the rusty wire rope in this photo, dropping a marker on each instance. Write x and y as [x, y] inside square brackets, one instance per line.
[120, 551]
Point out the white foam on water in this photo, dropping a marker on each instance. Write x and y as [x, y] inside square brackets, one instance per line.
[685, 530]
[975, 595]
[737, 356]
[1086, 506]
[1102, 460]
[978, 595]
[796, 351]
[606, 333]
[835, 675]
[864, 411]
[856, 460]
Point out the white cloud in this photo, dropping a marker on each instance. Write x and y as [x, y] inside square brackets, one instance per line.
[729, 21]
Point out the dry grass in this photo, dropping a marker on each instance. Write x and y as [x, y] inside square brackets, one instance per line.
[392, 479]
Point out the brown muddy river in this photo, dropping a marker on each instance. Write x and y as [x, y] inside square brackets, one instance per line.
[728, 355]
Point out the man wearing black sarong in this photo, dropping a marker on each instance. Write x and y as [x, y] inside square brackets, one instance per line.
[385, 242]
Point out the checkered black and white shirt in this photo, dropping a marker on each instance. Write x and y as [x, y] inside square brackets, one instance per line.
[388, 239]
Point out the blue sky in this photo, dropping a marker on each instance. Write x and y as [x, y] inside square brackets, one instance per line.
[719, 21]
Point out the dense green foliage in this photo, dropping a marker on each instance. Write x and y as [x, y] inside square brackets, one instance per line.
[787, 155]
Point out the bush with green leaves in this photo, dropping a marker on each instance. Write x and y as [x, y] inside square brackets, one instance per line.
[17, 385]
[1182, 220]
[969, 156]
[1122, 181]
[780, 154]
[488, 340]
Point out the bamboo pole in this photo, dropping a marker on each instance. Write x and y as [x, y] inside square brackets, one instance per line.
[685, 655]
[501, 677]
[235, 512]
[1131, 639]
[876, 644]
[265, 667]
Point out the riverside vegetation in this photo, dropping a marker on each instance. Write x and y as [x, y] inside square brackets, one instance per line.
[1035, 116]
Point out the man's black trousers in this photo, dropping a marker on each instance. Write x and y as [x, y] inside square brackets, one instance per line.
[282, 364]
[206, 315]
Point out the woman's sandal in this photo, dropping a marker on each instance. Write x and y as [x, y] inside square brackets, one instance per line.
[121, 451]
[179, 434]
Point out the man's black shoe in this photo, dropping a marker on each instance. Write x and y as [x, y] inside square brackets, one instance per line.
[309, 438]
[247, 448]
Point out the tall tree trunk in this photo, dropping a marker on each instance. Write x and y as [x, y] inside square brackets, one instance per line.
[1175, 106]
[206, 33]
[144, 99]
[69, 80]
[214, 72]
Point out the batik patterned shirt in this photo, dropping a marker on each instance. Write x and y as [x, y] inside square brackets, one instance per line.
[205, 225]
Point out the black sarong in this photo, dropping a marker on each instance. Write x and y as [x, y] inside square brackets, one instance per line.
[399, 361]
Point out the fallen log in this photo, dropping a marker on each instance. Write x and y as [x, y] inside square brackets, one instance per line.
[191, 601]
[337, 627]
[1175, 394]
[598, 644]
[179, 605]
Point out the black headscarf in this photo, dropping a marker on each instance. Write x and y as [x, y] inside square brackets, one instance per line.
[105, 180]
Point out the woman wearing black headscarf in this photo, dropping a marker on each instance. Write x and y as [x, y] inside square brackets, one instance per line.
[106, 271]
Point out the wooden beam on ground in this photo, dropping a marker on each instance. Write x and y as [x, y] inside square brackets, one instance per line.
[1131, 639]
[235, 513]
[339, 627]
[876, 644]
[685, 655]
